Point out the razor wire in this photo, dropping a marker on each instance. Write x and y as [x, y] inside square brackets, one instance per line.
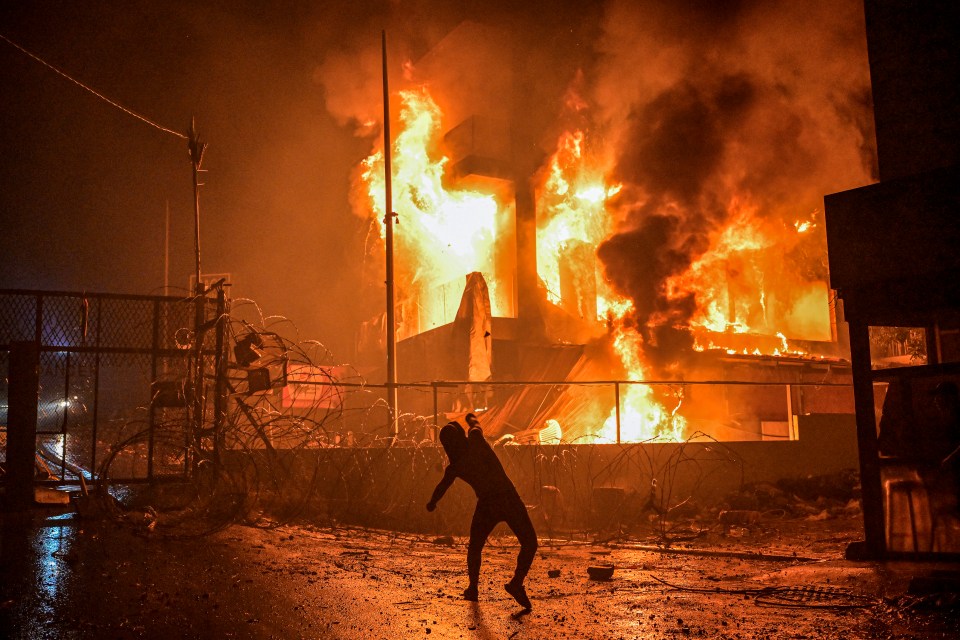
[301, 436]
[285, 454]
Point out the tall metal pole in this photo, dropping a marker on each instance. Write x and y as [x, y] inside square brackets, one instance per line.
[196, 158]
[166, 254]
[196, 149]
[388, 222]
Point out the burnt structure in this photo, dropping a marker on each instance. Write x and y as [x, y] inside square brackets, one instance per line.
[493, 142]
[496, 141]
[894, 258]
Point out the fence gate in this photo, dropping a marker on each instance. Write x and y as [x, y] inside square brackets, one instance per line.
[115, 372]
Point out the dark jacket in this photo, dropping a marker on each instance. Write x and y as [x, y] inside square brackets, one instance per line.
[473, 460]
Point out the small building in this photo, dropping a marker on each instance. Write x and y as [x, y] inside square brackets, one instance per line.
[894, 255]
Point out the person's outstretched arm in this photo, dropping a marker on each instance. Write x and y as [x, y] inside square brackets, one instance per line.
[449, 475]
[475, 434]
[477, 440]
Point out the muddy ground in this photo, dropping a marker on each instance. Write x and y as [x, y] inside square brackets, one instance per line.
[72, 578]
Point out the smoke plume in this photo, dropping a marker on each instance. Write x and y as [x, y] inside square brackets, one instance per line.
[755, 107]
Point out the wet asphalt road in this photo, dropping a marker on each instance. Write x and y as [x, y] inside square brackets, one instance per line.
[80, 579]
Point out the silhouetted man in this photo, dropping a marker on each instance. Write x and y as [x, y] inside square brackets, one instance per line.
[473, 461]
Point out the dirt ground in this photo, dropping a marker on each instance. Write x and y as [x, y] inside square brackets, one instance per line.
[69, 578]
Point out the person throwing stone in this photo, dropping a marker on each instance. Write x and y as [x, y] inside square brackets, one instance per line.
[474, 461]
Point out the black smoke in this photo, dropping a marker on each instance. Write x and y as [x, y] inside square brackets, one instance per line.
[675, 147]
[759, 106]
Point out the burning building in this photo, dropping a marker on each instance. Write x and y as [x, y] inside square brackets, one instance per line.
[654, 215]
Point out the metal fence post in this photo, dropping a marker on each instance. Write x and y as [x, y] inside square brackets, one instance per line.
[155, 346]
[220, 373]
[96, 394]
[436, 412]
[791, 423]
[24, 394]
[66, 416]
[616, 393]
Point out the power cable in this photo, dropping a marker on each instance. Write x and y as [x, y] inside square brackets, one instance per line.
[91, 90]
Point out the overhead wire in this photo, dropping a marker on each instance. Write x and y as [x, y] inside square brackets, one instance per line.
[93, 91]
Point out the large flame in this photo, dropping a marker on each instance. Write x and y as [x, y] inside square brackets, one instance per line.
[742, 286]
[642, 416]
[443, 234]
[740, 283]
[572, 209]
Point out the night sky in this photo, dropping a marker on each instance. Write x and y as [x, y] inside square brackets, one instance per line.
[85, 186]
[271, 85]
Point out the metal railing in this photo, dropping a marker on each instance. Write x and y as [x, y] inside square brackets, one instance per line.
[759, 402]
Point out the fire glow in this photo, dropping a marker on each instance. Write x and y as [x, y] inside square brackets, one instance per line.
[446, 233]
[574, 219]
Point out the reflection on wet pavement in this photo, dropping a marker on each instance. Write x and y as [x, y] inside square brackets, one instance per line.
[34, 556]
[65, 578]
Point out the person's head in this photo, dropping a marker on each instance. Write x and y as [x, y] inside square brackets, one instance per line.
[454, 440]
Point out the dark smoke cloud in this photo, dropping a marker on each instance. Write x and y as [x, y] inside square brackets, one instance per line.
[757, 102]
[677, 142]
[679, 145]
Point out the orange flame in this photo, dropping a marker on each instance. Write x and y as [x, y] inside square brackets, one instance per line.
[446, 232]
[742, 287]
[572, 208]
[442, 234]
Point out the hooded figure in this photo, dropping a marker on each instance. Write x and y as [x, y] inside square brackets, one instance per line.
[454, 441]
[474, 461]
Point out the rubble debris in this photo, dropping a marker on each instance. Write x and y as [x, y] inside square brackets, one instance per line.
[44, 495]
[945, 604]
[738, 518]
[822, 496]
[840, 486]
[600, 572]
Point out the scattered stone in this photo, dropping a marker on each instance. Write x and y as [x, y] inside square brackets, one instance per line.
[600, 572]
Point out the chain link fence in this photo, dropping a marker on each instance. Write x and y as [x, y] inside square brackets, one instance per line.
[107, 362]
